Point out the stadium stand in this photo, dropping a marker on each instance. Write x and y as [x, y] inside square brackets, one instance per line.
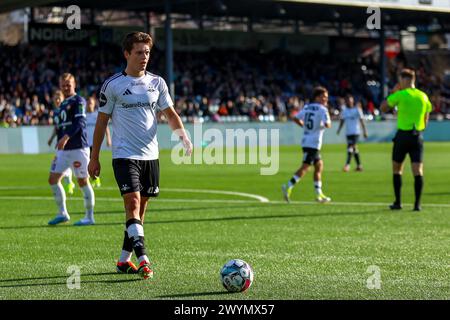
[226, 84]
[219, 85]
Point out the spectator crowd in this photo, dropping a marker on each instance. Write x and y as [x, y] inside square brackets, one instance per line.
[219, 85]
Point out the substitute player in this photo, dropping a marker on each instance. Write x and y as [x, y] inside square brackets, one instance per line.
[73, 152]
[131, 99]
[353, 118]
[314, 118]
[413, 108]
[57, 98]
[91, 119]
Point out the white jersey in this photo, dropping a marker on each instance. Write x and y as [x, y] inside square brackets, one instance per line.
[314, 116]
[132, 103]
[352, 117]
[91, 119]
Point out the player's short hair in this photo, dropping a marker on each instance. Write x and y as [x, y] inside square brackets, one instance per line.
[349, 96]
[136, 37]
[66, 76]
[408, 74]
[318, 91]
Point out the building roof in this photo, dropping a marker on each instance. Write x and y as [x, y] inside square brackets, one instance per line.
[309, 12]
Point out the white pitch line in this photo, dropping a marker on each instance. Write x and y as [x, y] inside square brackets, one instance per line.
[233, 193]
[118, 199]
[242, 194]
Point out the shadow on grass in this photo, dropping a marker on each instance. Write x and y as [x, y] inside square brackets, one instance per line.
[57, 277]
[6, 283]
[217, 219]
[436, 193]
[150, 210]
[195, 294]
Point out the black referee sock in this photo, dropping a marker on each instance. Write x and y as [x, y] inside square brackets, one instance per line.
[418, 186]
[397, 187]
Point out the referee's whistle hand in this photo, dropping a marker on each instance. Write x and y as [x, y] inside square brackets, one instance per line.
[94, 168]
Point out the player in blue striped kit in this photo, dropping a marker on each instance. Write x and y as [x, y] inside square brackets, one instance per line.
[73, 152]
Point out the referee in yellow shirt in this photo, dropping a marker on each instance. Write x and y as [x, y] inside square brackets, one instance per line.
[413, 108]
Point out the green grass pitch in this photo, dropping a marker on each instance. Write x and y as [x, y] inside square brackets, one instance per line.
[301, 250]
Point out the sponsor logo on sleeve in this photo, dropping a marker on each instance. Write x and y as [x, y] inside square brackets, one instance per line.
[103, 100]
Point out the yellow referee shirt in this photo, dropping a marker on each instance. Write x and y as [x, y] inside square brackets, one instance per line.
[412, 105]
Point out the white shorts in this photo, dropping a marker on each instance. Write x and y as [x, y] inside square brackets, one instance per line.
[77, 159]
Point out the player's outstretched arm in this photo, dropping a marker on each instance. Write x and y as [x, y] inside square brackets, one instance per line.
[99, 133]
[426, 118]
[108, 137]
[176, 125]
[50, 140]
[341, 123]
[363, 126]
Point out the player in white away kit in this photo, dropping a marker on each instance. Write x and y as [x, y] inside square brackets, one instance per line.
[314, 118]
[131, 99]
[91, 119]
[352, 116]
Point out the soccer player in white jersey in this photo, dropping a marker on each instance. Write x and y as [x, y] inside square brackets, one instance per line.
[91, 119]
[353, 118]
[314, 118]
[73, 152]
[68, 184]
[131, 100]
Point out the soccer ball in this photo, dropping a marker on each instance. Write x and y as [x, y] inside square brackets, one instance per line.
[236, 275]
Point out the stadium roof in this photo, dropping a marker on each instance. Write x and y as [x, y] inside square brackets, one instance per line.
[307, 11]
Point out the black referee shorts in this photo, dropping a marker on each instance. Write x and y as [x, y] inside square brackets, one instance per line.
[408, 142]
[137, 176]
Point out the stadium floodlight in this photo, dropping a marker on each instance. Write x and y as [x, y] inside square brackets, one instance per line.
[220, 5]
[336, 14]
[434, 25]
[412, 29]
[280, 10]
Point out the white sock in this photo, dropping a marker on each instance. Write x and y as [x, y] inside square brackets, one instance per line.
[60, 198]
[296, 178]
[89, 201]
[143, 258]
[135, 231]
[318, 187]
[125, 256]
